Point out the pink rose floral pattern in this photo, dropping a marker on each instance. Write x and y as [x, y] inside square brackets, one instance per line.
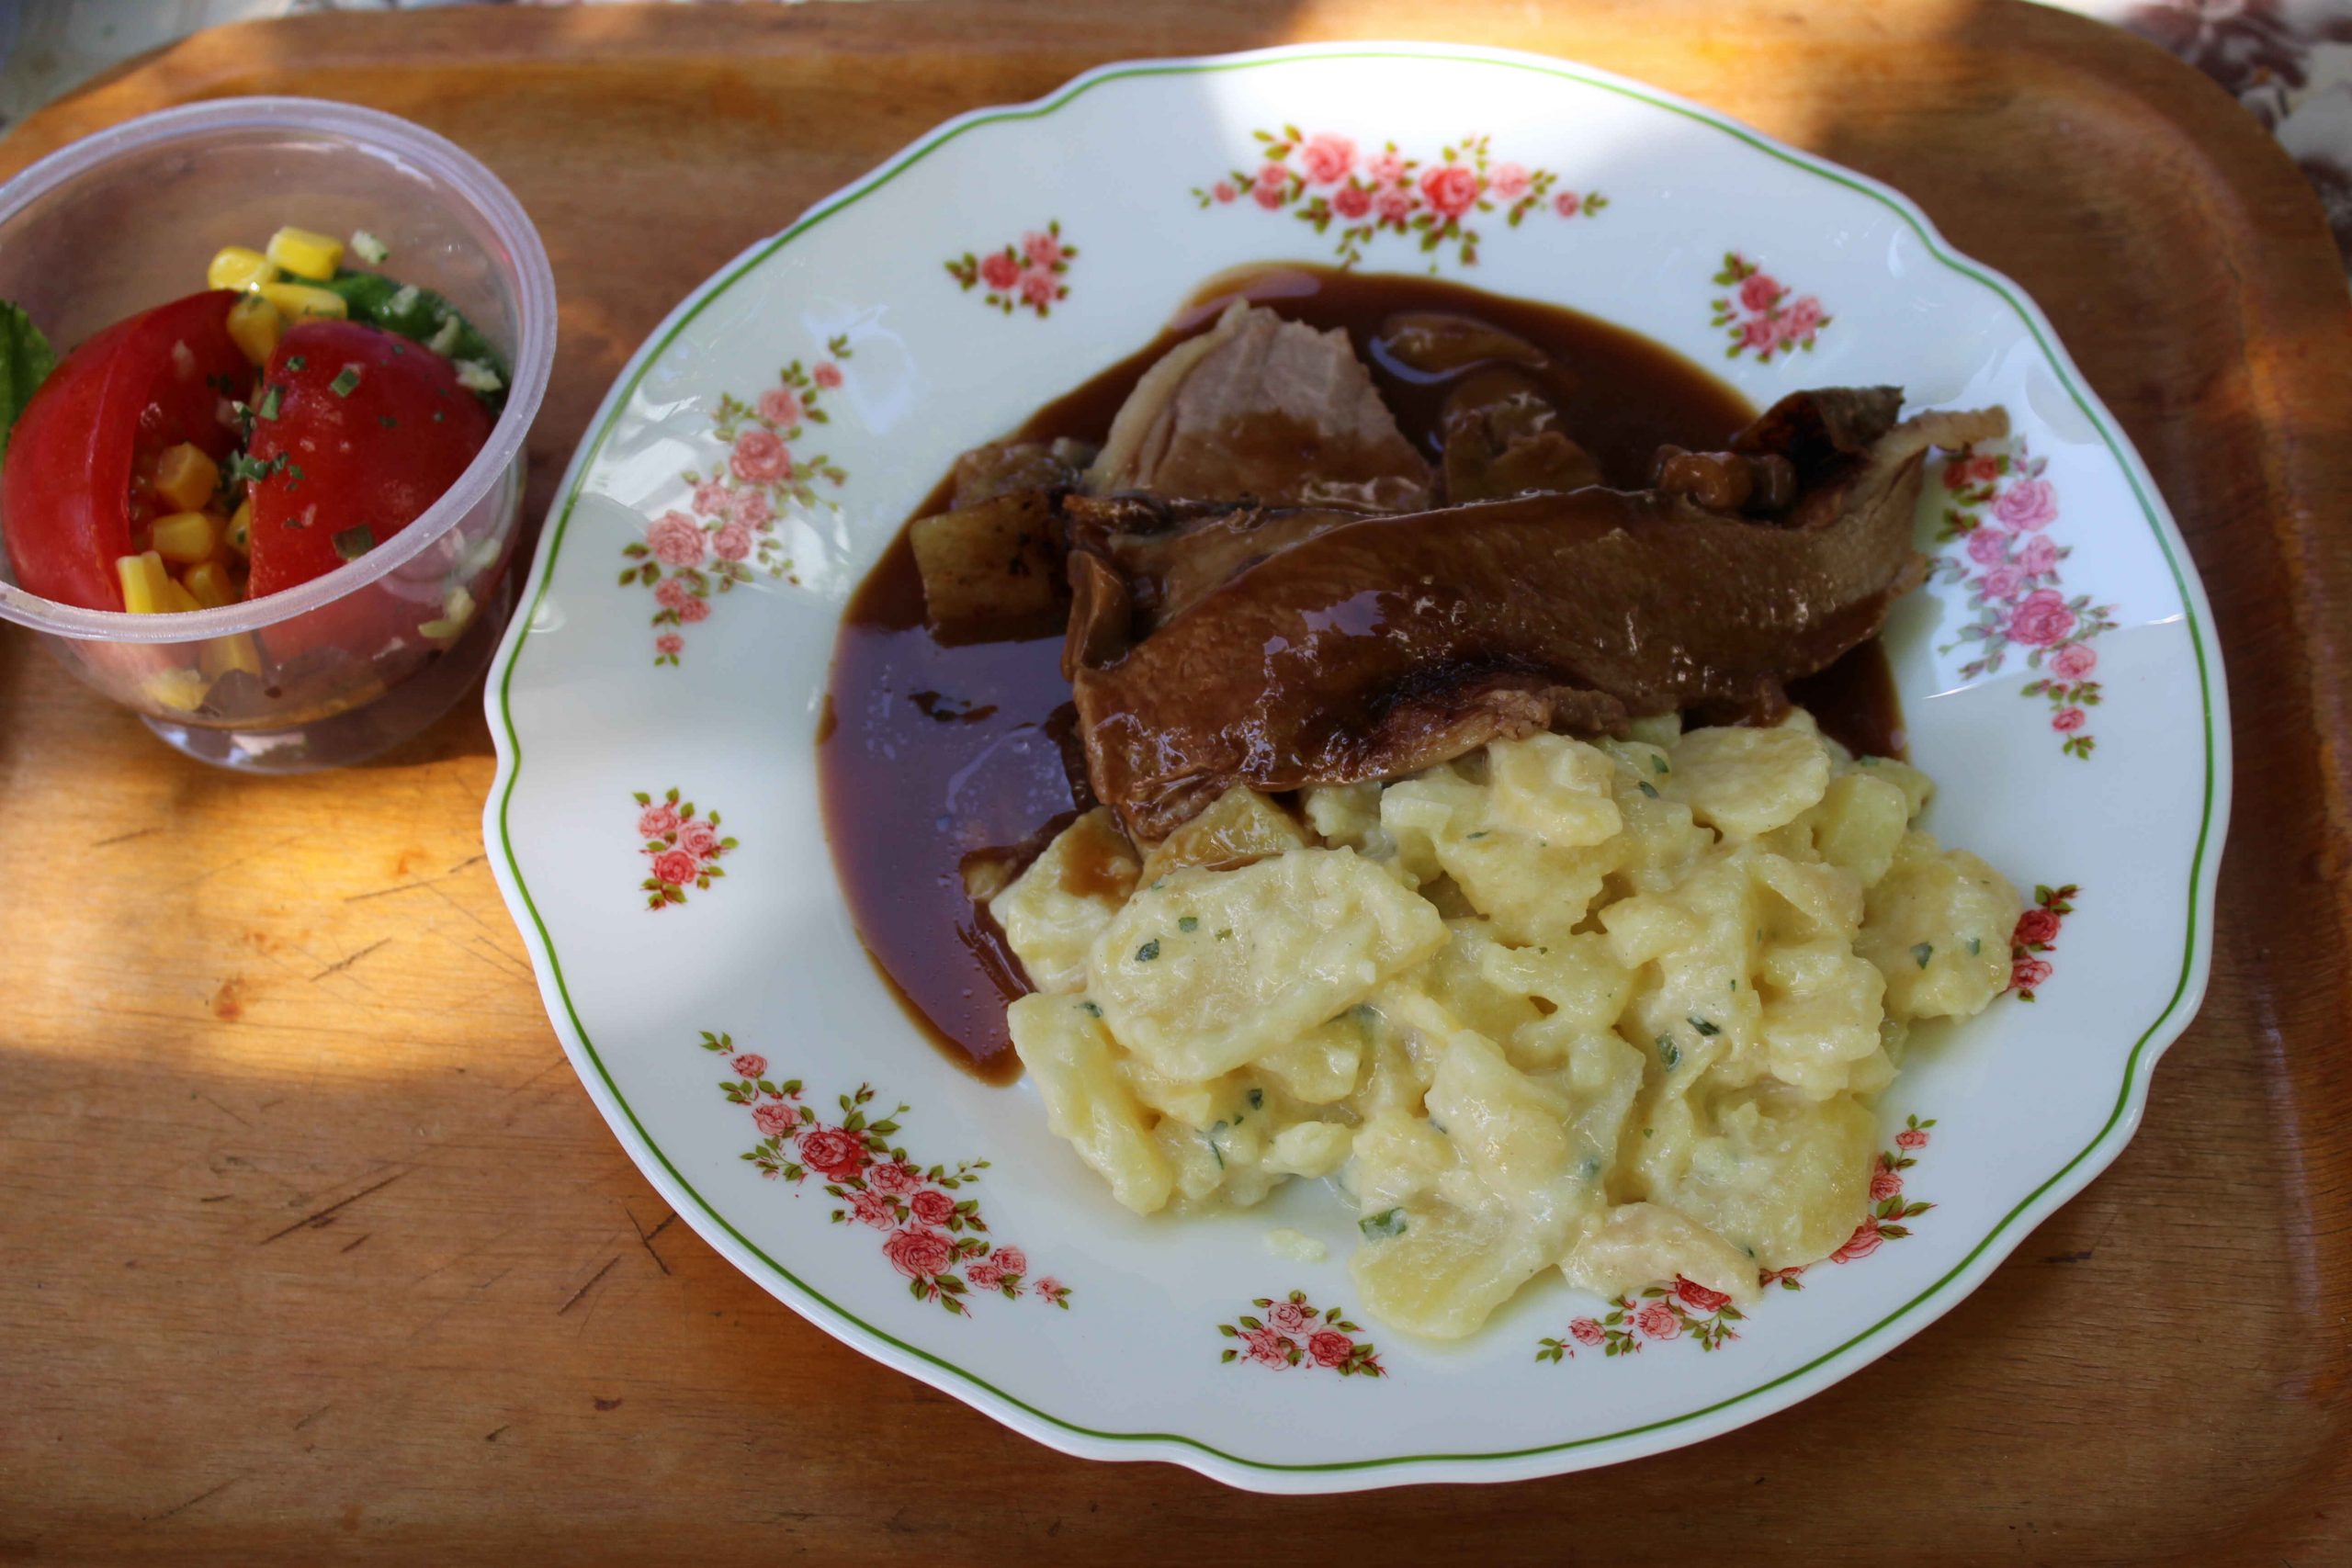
[932, 1230]
[681, 849]
[726, 533]
[1688, 1310]
[1026, 277]
[1760, 315]
[1323, 180]
[1999, 510]
[2037, 933]
[1293, 1334]
[1661, 1312]
[1889, 1207]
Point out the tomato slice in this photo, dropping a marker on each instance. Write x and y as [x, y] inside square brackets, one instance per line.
[148, 382]
[359, 432]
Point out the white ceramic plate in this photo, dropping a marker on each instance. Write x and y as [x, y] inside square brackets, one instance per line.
[2058, 676]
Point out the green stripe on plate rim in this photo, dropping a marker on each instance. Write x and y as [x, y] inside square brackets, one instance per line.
[1911, 220]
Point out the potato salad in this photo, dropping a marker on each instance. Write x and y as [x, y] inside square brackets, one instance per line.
[1617, 1008]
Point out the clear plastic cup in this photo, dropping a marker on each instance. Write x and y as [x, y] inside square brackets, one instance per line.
[365, 657]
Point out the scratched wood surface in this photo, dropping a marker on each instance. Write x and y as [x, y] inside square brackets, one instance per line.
[310, 1246]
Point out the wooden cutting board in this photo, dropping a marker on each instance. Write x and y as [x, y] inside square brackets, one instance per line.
[310, 1245]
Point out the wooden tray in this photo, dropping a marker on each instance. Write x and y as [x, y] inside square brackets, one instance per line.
[310, 1244]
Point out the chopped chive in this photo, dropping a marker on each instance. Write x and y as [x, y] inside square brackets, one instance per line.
[347, 381]
[352, 542]
[1225, 933]
[1188, 924]
[1089, 1010]
[1975, 946]
[1659, 764]
[1649, 789]
[1924, 952]
[297, 362]
[270, 398]
[1148, 952]
[1668, 1052]
[1379, 1226]
[1257, 1100]
[1703, 1027]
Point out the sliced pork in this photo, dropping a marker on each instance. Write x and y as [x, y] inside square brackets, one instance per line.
[1325, 647]
[1261, 408]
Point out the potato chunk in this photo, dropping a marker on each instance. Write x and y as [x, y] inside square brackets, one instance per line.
[1054, 909]
[993, 569]
[1860, 819]
[1643, 1244]
[1746, 782]
[1555, 789]
[1238, 826]
[1937, 927]
[1783, 1179]
[1060, 1041]
[1440, 1270]
[1206, 970]
[1322, 1064]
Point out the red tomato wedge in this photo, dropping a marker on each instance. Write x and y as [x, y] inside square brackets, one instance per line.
[150, 381]
[359, 431]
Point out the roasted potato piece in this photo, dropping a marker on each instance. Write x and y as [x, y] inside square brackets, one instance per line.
[993, 569]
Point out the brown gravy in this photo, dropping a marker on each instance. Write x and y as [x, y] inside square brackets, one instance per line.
[929, 754]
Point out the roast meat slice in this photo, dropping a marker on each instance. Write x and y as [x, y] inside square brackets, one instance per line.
[1168, 553]
[1502, 438]
[1004, 468]
[1262, 408]
[1370, 647]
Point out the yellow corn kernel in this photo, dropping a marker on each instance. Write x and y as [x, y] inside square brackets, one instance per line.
[143, 581]
[185, 537]
[185, 477]
[222, 654]
[209, 581]
[304, 254]
[457, 613]
[256, 326]
[234, 266]
[182, 691]
[301, 299]
[177, 599]
[241, 528]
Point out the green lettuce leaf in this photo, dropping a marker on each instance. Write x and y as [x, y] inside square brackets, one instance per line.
[26, 360]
